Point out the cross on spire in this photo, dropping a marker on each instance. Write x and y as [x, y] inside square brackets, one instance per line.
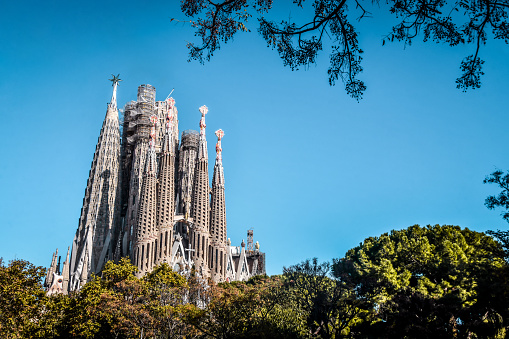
[115, 80]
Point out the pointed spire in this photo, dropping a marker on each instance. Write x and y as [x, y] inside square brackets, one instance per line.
[100, 213]
[199, 238]
[147, 225]
[65, 273]
[51, 269]
[54, 264]
[218, 216]
[115, 80]
[166, 188]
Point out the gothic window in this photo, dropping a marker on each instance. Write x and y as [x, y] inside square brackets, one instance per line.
[203, 245]
[216, 260]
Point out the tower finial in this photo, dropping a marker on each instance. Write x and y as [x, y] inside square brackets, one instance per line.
[115, 80]
[202, 146]
[203, 111]
[169, 117]
[220, 135]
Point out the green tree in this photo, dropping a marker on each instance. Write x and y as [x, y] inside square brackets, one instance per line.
[254, 309]
[167, 304]
[330, 306]
[441, 277]
[455, 22]
[112, 305]
[53, 322]
[22, 298]
[501, 200]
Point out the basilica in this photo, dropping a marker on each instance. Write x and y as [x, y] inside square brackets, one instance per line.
[149, 198]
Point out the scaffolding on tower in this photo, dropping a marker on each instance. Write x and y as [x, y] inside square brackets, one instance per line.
[250, 245]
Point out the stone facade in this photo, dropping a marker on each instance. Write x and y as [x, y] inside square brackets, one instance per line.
[148, 198]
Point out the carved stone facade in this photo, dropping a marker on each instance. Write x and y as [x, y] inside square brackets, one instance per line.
[148, 198]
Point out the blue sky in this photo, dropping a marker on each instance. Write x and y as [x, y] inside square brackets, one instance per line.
[312, 171]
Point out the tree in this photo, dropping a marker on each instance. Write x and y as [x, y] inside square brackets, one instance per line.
[454, 23]
[258, 308]
[110, 306]
[22, 298]
[434, 281]
[330, 306]
[501, 200]
[167, 303]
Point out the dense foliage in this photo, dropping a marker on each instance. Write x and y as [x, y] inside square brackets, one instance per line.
[501, 200]
[421, 282]
[453, 22]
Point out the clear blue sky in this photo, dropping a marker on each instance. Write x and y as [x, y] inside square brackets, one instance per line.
[310, 169]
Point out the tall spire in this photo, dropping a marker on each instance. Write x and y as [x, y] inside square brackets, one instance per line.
[199, 236]
[100, 212]
[166, 189]
[146, 236]
[65, 273]
[52, 269]
[217, 260]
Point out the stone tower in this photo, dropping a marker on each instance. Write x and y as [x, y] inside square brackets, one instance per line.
[199, 234]
[93, 243]
[217, 257]
[146, 226]
[166, 187]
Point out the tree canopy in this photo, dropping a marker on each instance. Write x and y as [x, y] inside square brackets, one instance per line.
[501, 200]
[420, 282]
[434, 281]
[331, 24]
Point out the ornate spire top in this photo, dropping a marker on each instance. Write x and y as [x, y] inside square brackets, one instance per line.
[203, 111]
[169, 117]
[115, 80]
[202, 146]
[220, 135]
[170, 102]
